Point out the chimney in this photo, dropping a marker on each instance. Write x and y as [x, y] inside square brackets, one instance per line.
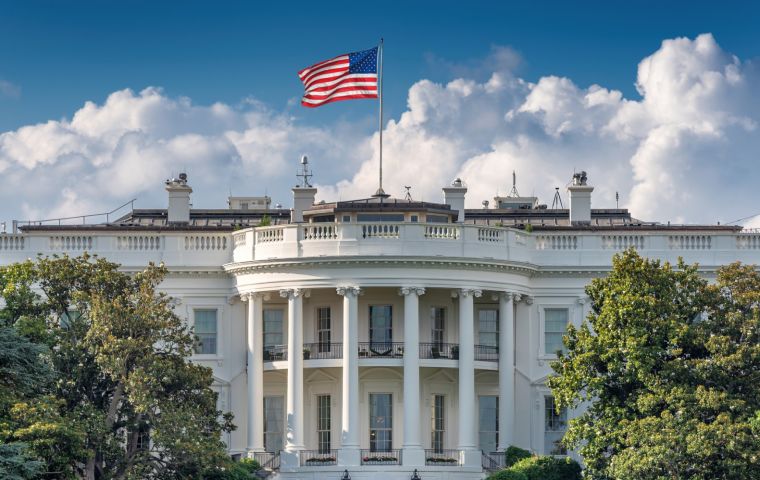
[303, 199]
[179, 199]
[580, 200]
[454, 197]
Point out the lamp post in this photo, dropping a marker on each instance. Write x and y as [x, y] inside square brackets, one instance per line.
[416, 476]
[345, 476]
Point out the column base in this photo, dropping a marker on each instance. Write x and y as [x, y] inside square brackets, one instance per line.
[413, 457]
[472, 458]
[349, 457]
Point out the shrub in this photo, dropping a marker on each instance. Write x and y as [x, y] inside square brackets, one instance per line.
[507, 475]
[514, 454]
[548, 468]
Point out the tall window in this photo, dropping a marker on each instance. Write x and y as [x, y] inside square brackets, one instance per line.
[323, 423]
[380, 326]
[438, 427]
[205, 330]
[274, 414]
[380, 422]
[555, 425]
[272, 328]
[488, 422]
[324, 336]
[488, 324]
[438, 325]
[555, 324]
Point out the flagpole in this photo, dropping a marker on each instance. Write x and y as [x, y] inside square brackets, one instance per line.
[380, 193]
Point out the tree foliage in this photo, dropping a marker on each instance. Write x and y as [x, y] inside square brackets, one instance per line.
[667, 367]
[121, 400]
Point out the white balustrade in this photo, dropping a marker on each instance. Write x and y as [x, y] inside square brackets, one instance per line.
[138, 242]
[690, 242]
[622, 242]
[486, 234]
[11, 242]
[449, 232]
[380, 230]
[748, 241]
[320, 232]
[70, 242]
[206, 242]
[270, 234]
[556, 242]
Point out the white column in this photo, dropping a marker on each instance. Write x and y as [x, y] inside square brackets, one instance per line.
[349, 455]
[506, 370]
[467, 401]
[295, 434]
[255, 438]
[414, 455]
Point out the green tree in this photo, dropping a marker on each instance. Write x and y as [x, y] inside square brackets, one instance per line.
[126, 402]
[667, 370]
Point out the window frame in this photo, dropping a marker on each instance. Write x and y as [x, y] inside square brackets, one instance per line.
[563, 452]
[385, 429]
[323, 347]
[483, 308]
[571, 312]
[281, 423]
[496, 421]
[434, 330]
[438, 423]
[218, 333]
[264, 326]
[321, 428]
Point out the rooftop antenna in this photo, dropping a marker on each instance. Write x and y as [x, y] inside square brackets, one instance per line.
[408, 195]
[617, 200]
[513, 192]
[557, 199]
[305, 173]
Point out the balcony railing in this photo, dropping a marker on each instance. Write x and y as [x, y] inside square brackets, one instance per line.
[275, 353]
[490, 462]
[317, 458]
[381, 349]
[324, 350]
[448, 351]
[388, 457]
[268, 460]
[486, 353]
[442, 457]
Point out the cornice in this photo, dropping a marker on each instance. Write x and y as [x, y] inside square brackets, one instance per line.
[258, 266]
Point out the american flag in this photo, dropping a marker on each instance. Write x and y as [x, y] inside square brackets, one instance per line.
[344, 77]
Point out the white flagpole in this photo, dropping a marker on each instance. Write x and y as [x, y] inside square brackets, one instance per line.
[380, 193]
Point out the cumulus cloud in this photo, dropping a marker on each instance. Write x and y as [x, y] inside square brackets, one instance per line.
[685, 151]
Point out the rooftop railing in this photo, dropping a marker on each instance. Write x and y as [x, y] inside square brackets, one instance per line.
[381, 349]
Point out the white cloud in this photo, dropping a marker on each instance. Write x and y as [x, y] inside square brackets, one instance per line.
[8, 89]
[685, 151]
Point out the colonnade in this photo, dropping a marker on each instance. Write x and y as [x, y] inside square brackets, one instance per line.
[413, 452]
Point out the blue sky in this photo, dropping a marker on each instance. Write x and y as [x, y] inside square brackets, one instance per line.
[60, 54]
[472, 89]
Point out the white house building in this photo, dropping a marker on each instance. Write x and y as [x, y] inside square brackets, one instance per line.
[381, 336]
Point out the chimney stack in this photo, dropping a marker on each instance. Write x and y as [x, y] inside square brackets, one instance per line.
[179, 199]
[454, 197]
[580, 200]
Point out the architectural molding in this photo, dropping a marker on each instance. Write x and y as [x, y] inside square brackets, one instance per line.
[351, 291]
[404, 291]
[291, 293]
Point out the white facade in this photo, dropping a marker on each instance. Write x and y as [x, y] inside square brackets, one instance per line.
[416, 339]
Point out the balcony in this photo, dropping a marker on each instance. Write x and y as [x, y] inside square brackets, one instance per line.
[486, 353]
[388, 457]
[274, 353]
[322, 351]
[436, 350]
[381, 349]
[318, 458]
[268, 460]
[443, 458]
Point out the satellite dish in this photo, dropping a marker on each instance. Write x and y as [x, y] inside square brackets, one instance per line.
[304, 160]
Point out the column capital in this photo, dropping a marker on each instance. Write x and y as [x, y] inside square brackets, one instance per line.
[505, 295]
[467, 292]
[583, 300]
[527, 299]
[349, 291]
[292, 293]
[404, 291]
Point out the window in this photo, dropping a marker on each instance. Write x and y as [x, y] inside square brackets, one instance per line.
[346, 218]
[438, 323]
[244, 205]
[205, 330]
[272, 328]
[380, 327]
[323, 329]
[143, 437]
[380, 217]
[274, 413]
[380, 422]
[323, 423]
[488, 422]
[488, 324]
[555, 324]
[438, 427]
[414, 218]
[437, 219]
[555, 425]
